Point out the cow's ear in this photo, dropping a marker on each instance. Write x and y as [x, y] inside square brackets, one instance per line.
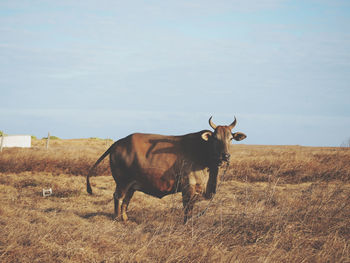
[239, 136]
[206, 135]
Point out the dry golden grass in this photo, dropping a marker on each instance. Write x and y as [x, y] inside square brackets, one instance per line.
[275, 204]
[73, 157]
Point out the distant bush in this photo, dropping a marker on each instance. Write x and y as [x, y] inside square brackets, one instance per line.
[2, 133]
[52, 138]
[33, 137]
[96, 138]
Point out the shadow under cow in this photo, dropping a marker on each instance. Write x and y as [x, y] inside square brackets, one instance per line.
[91, 215]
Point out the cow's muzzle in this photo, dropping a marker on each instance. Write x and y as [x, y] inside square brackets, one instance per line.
[219, 160]
[224, 158]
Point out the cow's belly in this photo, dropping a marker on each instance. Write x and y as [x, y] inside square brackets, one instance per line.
[156, 181]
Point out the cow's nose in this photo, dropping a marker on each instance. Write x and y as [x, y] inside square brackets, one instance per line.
[226, 156]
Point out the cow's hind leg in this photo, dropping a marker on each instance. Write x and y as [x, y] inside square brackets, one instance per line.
[120, 193]
[118, 197]
[122, 196]
[125, 204]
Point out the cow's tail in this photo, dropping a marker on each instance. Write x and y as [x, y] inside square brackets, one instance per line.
[92, 169]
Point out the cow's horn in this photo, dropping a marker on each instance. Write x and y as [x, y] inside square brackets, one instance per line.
[211, 123]
[233, 124]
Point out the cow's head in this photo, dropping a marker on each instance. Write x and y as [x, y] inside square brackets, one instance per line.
[219, 141]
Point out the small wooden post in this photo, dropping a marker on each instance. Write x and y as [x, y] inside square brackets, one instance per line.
[1, 143]
[48, 141]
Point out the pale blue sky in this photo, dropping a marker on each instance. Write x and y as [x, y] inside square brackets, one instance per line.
[109, 68]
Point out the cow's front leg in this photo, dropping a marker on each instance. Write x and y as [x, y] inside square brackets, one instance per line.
[188, 200]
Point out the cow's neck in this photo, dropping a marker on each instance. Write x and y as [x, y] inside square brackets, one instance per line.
[197, 150]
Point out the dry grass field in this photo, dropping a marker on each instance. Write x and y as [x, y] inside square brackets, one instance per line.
[274, 204]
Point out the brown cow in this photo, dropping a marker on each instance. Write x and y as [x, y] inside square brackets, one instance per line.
[160, 165]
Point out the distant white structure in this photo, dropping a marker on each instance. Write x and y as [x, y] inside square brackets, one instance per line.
[24, 141]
